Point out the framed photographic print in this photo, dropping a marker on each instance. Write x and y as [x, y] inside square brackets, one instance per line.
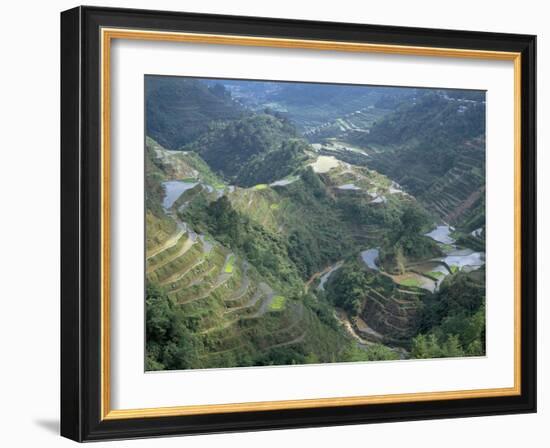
[275, 224]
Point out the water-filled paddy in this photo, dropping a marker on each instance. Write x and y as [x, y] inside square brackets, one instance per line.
[283, 182]
[441, 234]
[379, 200]
[349, 187]
[413, 279]
[465, 257]
[173, 189]
[369, 257]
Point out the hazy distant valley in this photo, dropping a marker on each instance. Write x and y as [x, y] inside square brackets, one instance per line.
[292, 223]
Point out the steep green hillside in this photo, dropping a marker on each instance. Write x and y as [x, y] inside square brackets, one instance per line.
[435, 148]
[178, 110]
[452, 322]
[255, 149]
[310, 105]
[431, 117]
[224, 290]
[292, 231]
[381, 310]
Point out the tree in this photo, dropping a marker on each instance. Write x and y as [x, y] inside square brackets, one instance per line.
[224, 221]
[169, 343]
[452, 347]
[413, 219]
[348, 288]
[425, 347]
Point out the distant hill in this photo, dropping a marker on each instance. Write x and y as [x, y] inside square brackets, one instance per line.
[255, 149]
[337, 95]
[311, 104]
[429, 117]
[179, 110]
[434, 146]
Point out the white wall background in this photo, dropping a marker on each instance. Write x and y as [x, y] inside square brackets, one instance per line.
[29, 236]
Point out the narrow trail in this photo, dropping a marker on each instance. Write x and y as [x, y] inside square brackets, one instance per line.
[170, 242]
[222, 279]
[221, 327]
[342, 317]
[264, 291]
[184, 248]
[201, 277]
[269, 295]
[179, 275]
[253, 300]
[363, 327]
[221, 352]
[292, 342]
[242, 289]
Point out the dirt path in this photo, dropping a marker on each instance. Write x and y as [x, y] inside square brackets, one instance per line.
[200, 278]
[292, 342]
[222, 279]
[179, 275]
[363, 327]
[253, 300]
[172, 241]
[243, 288]
[184, 248]
[343, 318]
[269, 295]
[263, 291]
[221, 327]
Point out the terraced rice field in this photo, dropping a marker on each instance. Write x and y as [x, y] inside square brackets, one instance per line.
[390, 314]
[232, 308]
[278, 303]
[229, 266]
[323, 164]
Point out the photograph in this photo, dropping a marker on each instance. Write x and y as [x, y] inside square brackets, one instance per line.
[292, 223]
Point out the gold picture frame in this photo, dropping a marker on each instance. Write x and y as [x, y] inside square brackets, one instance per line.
[107, 31]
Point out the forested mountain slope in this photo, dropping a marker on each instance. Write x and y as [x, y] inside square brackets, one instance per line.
[312, 104]
[258, 148]
[435, 148]
[178, 110]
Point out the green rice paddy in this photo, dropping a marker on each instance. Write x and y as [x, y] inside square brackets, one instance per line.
[410, 282]
[230, 265]
[278, 303]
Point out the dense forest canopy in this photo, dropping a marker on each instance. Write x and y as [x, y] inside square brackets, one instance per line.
[178, 110]
[256, 149]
